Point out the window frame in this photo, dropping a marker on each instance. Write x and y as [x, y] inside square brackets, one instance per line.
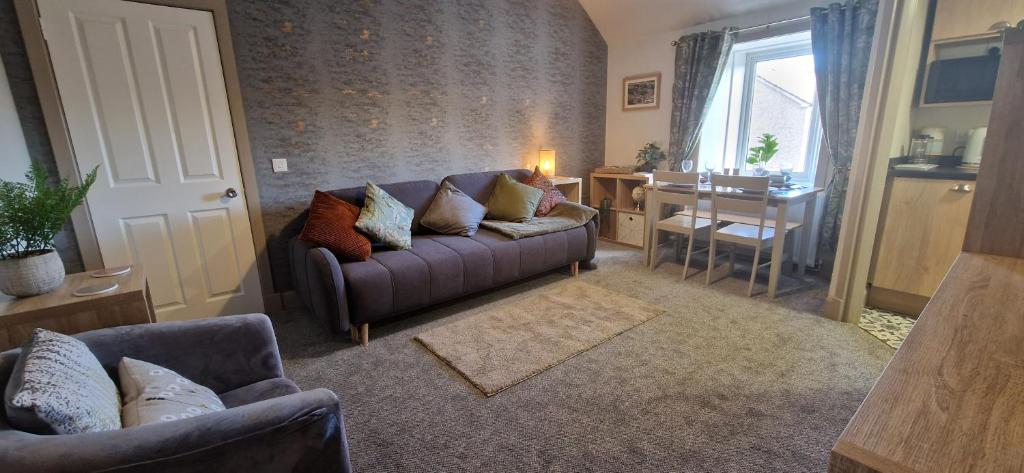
[739, 80]
[813, 144]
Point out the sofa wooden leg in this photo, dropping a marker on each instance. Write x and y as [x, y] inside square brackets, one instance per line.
[574, 269]
[364, 334]
[352, 331]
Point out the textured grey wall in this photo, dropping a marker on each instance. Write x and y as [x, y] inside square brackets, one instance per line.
[30, 113]
[392, 90]
[416, 89]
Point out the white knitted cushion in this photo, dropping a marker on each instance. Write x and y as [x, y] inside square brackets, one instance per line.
[59, 387]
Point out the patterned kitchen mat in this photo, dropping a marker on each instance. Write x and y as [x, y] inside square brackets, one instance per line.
[889, 327]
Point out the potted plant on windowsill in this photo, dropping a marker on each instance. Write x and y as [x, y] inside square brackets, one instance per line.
[31, 215]
[760, 155]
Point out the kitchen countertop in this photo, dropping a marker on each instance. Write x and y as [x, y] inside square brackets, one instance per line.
[952, 173]
[959, 174]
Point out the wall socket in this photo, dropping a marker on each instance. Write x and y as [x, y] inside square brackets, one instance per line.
[280, 164]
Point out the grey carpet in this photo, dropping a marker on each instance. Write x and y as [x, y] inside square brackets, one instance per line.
[720, 383]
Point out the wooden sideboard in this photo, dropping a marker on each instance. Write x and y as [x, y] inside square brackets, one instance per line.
[63, 312]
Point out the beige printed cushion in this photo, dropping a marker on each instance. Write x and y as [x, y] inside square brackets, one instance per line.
[153, 394]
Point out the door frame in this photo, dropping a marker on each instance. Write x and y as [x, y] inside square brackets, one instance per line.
[63, 150]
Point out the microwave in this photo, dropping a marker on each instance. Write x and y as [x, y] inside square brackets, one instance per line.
[965, 79]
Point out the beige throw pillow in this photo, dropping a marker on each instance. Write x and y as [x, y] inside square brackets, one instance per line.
[153, 394]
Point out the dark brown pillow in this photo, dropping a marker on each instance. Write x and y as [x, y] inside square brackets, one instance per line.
[331, 224]
[552, 196]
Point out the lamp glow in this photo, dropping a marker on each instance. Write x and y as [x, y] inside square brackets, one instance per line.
[546, 161]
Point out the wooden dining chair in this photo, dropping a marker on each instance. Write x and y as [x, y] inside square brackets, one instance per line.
[679, 189]
[746, 195]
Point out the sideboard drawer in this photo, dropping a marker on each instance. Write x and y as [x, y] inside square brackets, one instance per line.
[630, 229]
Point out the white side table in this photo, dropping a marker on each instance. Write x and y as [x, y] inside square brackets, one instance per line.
[572, 187]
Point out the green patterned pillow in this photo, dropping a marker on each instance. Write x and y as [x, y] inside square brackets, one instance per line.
[385, 219]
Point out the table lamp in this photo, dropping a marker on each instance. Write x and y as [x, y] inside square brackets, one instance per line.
[546, 161]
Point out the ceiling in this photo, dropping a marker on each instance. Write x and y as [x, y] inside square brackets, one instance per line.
[621, 21]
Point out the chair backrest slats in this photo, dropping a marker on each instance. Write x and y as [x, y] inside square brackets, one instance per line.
[685, 178]
[726, 203]
[750, 183]
[740, 194]
[675, 188]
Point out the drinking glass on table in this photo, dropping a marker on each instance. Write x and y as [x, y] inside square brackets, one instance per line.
[787, 174]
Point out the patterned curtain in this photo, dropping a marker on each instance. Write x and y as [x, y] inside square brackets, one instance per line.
[700, 61]
[841, 42]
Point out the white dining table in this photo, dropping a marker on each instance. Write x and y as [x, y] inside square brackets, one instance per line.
[782, 200]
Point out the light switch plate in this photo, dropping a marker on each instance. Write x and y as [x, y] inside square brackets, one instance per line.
[280, 164]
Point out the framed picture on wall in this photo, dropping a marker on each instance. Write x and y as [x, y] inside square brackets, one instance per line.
[641, 92]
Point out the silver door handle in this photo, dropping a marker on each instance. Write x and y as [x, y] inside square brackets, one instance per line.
[961, 188]
[231, 193]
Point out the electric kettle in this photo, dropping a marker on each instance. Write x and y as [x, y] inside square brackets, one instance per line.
[975, 144]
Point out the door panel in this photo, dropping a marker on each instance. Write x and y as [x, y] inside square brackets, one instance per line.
[185, 95]
[149, 243]
[220, 262]
[115, 103]
[144, 97]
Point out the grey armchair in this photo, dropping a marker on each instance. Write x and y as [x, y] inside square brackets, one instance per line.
[269, 426]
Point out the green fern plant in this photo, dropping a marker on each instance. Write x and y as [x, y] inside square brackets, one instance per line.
[760, 155]
[33, 212]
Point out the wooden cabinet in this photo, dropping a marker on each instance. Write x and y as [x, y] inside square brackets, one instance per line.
[618, 189]
[60, 311]
[960, 18]
[924, 225]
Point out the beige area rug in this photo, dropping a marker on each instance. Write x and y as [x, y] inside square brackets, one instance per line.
[509, 342]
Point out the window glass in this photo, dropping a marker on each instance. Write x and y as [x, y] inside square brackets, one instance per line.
[768, 87]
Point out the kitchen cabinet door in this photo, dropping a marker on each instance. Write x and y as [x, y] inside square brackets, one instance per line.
[958, 18]
[924, 228]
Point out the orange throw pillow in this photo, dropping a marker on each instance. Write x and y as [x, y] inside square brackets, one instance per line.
[552, 196]
[331, 224]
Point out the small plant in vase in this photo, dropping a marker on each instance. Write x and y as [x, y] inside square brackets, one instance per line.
[648, 157]
[760, 155]
[31, 215]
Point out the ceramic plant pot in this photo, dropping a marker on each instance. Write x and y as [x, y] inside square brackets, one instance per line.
[32, 275]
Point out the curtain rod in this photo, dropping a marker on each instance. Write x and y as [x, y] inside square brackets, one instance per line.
[766, 25]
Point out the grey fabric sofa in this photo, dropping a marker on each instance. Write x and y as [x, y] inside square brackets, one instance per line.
[438, 268]
[268, 426]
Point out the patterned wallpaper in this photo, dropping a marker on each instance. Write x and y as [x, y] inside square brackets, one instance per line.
[30, 113]
[391, 90]
[394, 90]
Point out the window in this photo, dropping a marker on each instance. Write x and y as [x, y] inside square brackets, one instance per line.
[768, 87]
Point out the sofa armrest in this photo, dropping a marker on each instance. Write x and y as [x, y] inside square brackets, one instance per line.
[326, 286]
[297, 250]
[299, 432]
[221, 353]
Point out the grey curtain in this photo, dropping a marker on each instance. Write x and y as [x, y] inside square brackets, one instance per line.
[841, 36]
[700, 61]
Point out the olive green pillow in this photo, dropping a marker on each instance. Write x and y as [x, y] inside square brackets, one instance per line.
[513, 201]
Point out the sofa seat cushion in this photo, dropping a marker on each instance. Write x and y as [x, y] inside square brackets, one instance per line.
[258, 391]
[439, 268]
[392, 282]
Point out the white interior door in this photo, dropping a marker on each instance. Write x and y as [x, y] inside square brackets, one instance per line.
[144, 98]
